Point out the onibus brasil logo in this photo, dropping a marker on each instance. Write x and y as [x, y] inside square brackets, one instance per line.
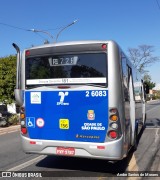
[62, 97]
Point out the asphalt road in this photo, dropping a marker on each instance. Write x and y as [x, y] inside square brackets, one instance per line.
[146, 158]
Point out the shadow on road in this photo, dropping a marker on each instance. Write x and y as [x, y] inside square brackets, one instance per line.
[82, 165]
[153, 123]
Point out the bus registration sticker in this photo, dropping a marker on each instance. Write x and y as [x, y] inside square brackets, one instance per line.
[64, 123]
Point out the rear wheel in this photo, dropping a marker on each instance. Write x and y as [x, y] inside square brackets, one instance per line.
[135, 140]
[144, 123]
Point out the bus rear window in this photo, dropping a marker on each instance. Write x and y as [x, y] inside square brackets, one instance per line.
[75, 69]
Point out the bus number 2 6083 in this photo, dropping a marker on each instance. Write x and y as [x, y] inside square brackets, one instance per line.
[96, 93]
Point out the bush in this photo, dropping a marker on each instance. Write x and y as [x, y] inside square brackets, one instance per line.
[3, 122]
[154, 97]
[148, 98]
[13, 119]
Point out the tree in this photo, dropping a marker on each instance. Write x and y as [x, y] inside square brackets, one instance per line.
[7, 79]
[147, 80]
[142, 57]
[147, 77]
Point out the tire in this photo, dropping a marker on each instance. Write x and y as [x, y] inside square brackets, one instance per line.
[135, 140]
[144, 124]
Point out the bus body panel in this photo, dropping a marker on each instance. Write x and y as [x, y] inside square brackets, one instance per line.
[107, 150]
[67, 115]
[116, 94]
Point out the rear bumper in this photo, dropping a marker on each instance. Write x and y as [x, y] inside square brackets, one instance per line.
[110, 151]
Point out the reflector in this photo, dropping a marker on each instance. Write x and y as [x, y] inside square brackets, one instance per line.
[100, 147]
[32, 142]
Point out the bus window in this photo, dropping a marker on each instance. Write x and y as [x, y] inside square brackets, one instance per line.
[63, 66]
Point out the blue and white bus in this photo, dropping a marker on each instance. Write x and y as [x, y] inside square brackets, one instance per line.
[78, 99]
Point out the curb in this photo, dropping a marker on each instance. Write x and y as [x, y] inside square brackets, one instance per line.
[153, 100]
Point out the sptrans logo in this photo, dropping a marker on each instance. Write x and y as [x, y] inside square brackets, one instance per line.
[62, 97]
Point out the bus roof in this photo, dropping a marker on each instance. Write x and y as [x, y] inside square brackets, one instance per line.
[65, 43]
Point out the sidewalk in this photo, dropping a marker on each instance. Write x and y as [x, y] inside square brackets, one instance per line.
[153, 100]
[4, 130]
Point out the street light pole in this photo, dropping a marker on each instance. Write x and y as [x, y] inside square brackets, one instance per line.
[65, 28]
[36, 30]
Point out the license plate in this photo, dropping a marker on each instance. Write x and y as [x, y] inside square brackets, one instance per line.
[65, 151]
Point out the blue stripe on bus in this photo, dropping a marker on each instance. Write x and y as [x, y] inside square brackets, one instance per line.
[67, 115]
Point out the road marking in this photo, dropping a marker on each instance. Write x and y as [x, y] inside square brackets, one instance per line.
[28, 163]
[156, 128]
[152, 109]
[156, 135]
[133, 164]
[13, 131]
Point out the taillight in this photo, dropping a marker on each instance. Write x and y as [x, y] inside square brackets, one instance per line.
[114, 117]
[22, 109]
[104, 46]
[27, 53]
[22, 115]
[114, 125]
[114, 131]
[23, 130]
[23, 121]
[113, 134]
[113, 110]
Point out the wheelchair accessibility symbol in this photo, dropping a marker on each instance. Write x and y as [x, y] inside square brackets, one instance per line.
[30, 122]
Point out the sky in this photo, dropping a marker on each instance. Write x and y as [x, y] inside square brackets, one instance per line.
[128, 22]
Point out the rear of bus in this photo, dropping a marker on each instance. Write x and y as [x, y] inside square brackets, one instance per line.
[67, 109]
